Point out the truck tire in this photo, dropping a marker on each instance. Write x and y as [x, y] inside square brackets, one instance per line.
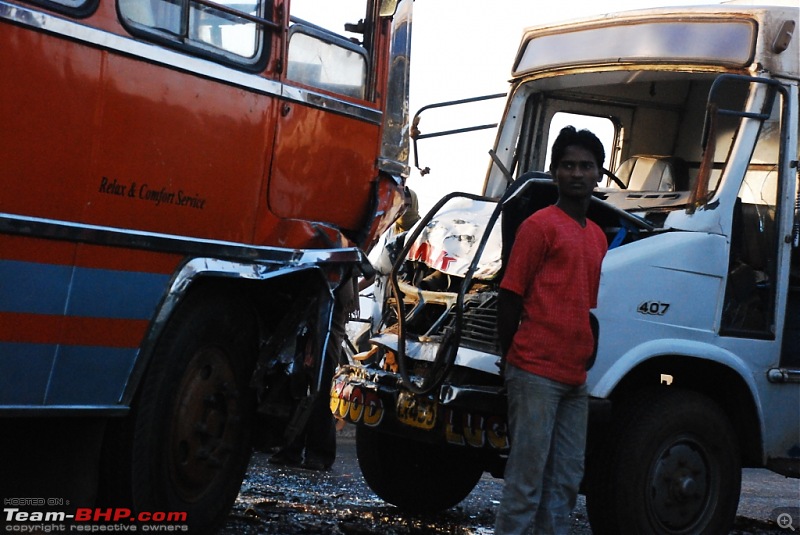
[189, 435]
[672, 467]
[415, 476]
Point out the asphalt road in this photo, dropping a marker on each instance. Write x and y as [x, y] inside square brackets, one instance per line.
[289, 501]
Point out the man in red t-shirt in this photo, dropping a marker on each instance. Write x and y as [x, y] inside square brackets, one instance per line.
[549, 286]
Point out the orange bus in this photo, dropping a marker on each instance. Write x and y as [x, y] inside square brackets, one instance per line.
[184, 184]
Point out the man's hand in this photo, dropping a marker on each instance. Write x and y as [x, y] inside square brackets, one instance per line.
[501, 364]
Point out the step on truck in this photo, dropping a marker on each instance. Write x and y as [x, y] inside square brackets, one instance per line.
[184, 186]
[696, 373]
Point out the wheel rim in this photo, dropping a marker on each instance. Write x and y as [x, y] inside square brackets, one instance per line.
[680, 489]
[207, 423]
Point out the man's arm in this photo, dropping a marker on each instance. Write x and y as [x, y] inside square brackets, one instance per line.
[509, 312]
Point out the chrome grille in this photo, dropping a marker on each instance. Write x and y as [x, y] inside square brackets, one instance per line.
[480, 323]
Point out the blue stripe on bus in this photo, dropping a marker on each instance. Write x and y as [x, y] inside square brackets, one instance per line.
[27, 287]
[98, 293]
[89, 375]
[24, 373]
[80, 376]
[34, 288]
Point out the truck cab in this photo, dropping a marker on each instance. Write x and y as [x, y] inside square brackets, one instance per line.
[697, 369]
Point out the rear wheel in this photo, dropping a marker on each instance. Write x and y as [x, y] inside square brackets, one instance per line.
[189, 433]
[673, 467]
[415, 476]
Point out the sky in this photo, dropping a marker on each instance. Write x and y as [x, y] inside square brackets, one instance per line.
[465, 48]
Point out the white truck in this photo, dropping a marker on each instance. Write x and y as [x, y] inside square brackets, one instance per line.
[697, 370]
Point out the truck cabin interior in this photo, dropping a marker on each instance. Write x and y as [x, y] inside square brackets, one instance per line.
[656, 153]
[659, 120]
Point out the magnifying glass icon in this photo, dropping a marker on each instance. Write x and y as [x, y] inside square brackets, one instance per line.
[785, 521]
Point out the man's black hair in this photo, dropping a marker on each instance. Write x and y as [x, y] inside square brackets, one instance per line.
[582, 138]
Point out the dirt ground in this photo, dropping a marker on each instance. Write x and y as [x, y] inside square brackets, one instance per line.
[292, 501]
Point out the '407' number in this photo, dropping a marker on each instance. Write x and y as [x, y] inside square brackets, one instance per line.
[653, 308]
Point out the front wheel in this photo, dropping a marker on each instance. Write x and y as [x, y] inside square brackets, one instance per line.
[188, 438]
[673, 468]
[415, 476]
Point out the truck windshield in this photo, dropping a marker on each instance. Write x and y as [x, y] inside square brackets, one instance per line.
[651, 126]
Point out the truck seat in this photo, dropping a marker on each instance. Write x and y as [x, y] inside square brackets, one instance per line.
[523, 197]
[654, 173]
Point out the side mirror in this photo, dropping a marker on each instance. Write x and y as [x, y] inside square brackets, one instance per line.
[388, 8]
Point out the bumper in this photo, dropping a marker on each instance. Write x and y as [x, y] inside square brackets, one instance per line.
[462, 415]
[472, 416]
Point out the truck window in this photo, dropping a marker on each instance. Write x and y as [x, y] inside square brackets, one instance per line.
[602, 127]
[205, 27]
[749, 308]
[320, 55]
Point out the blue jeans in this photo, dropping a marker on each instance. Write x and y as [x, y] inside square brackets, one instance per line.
[547, 432]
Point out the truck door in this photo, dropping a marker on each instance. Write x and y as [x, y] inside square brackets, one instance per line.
[760, 307]
[790, 351]
[749, 310]
[761, 295]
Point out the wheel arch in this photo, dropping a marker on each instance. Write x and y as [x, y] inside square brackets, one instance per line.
[719, 379]
[266, 289]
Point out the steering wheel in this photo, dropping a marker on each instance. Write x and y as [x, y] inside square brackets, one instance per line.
[615, 178]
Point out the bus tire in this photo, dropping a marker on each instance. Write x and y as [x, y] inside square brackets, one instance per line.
[415, 476]
[190, 431]
[674, 468]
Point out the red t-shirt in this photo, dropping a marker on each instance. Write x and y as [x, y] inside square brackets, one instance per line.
[555, 266]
